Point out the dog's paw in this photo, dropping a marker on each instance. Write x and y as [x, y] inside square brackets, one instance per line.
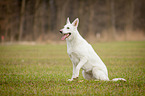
[70, 80]
[75, 78]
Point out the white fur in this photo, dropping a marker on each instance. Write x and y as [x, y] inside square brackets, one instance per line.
[83, 55]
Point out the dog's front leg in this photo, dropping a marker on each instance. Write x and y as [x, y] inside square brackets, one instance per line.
[74, 69]
[77, 68]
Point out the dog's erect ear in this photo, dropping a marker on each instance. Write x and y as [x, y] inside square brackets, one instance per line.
[67, 21]
[76, 22]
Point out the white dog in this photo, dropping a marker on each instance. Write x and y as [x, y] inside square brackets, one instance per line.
[83, 55]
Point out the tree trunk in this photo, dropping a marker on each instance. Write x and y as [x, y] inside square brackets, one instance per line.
[113, 29]
[21, 20]
[35, 32]
[91, 34]
[129, 19]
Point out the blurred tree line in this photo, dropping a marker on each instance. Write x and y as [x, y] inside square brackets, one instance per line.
[31, 20]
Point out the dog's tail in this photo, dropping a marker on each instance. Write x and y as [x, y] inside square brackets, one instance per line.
[116, 79]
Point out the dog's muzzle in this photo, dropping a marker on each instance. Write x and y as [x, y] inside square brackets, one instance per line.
[60, 31]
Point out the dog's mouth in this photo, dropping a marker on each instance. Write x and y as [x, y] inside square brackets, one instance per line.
[65, 36]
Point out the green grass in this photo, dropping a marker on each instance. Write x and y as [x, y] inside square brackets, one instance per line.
[44, 70]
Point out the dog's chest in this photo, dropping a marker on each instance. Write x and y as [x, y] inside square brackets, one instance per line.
[74, 56]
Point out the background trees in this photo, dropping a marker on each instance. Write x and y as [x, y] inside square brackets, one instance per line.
[99, 19]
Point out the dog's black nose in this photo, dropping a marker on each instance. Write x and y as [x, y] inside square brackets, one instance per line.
[60, 31]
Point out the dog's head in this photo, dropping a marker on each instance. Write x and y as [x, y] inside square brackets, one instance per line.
[69, 29]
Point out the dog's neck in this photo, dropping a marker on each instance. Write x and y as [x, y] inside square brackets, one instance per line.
[76, 40]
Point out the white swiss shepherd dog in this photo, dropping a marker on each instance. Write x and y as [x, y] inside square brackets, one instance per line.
[83, 55]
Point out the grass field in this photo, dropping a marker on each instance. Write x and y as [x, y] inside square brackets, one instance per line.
[44, 70]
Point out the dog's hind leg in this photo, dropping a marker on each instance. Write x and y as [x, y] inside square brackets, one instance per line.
[87, 75]
[99, 74]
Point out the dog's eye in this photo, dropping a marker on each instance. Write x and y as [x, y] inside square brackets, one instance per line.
[67, 27]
